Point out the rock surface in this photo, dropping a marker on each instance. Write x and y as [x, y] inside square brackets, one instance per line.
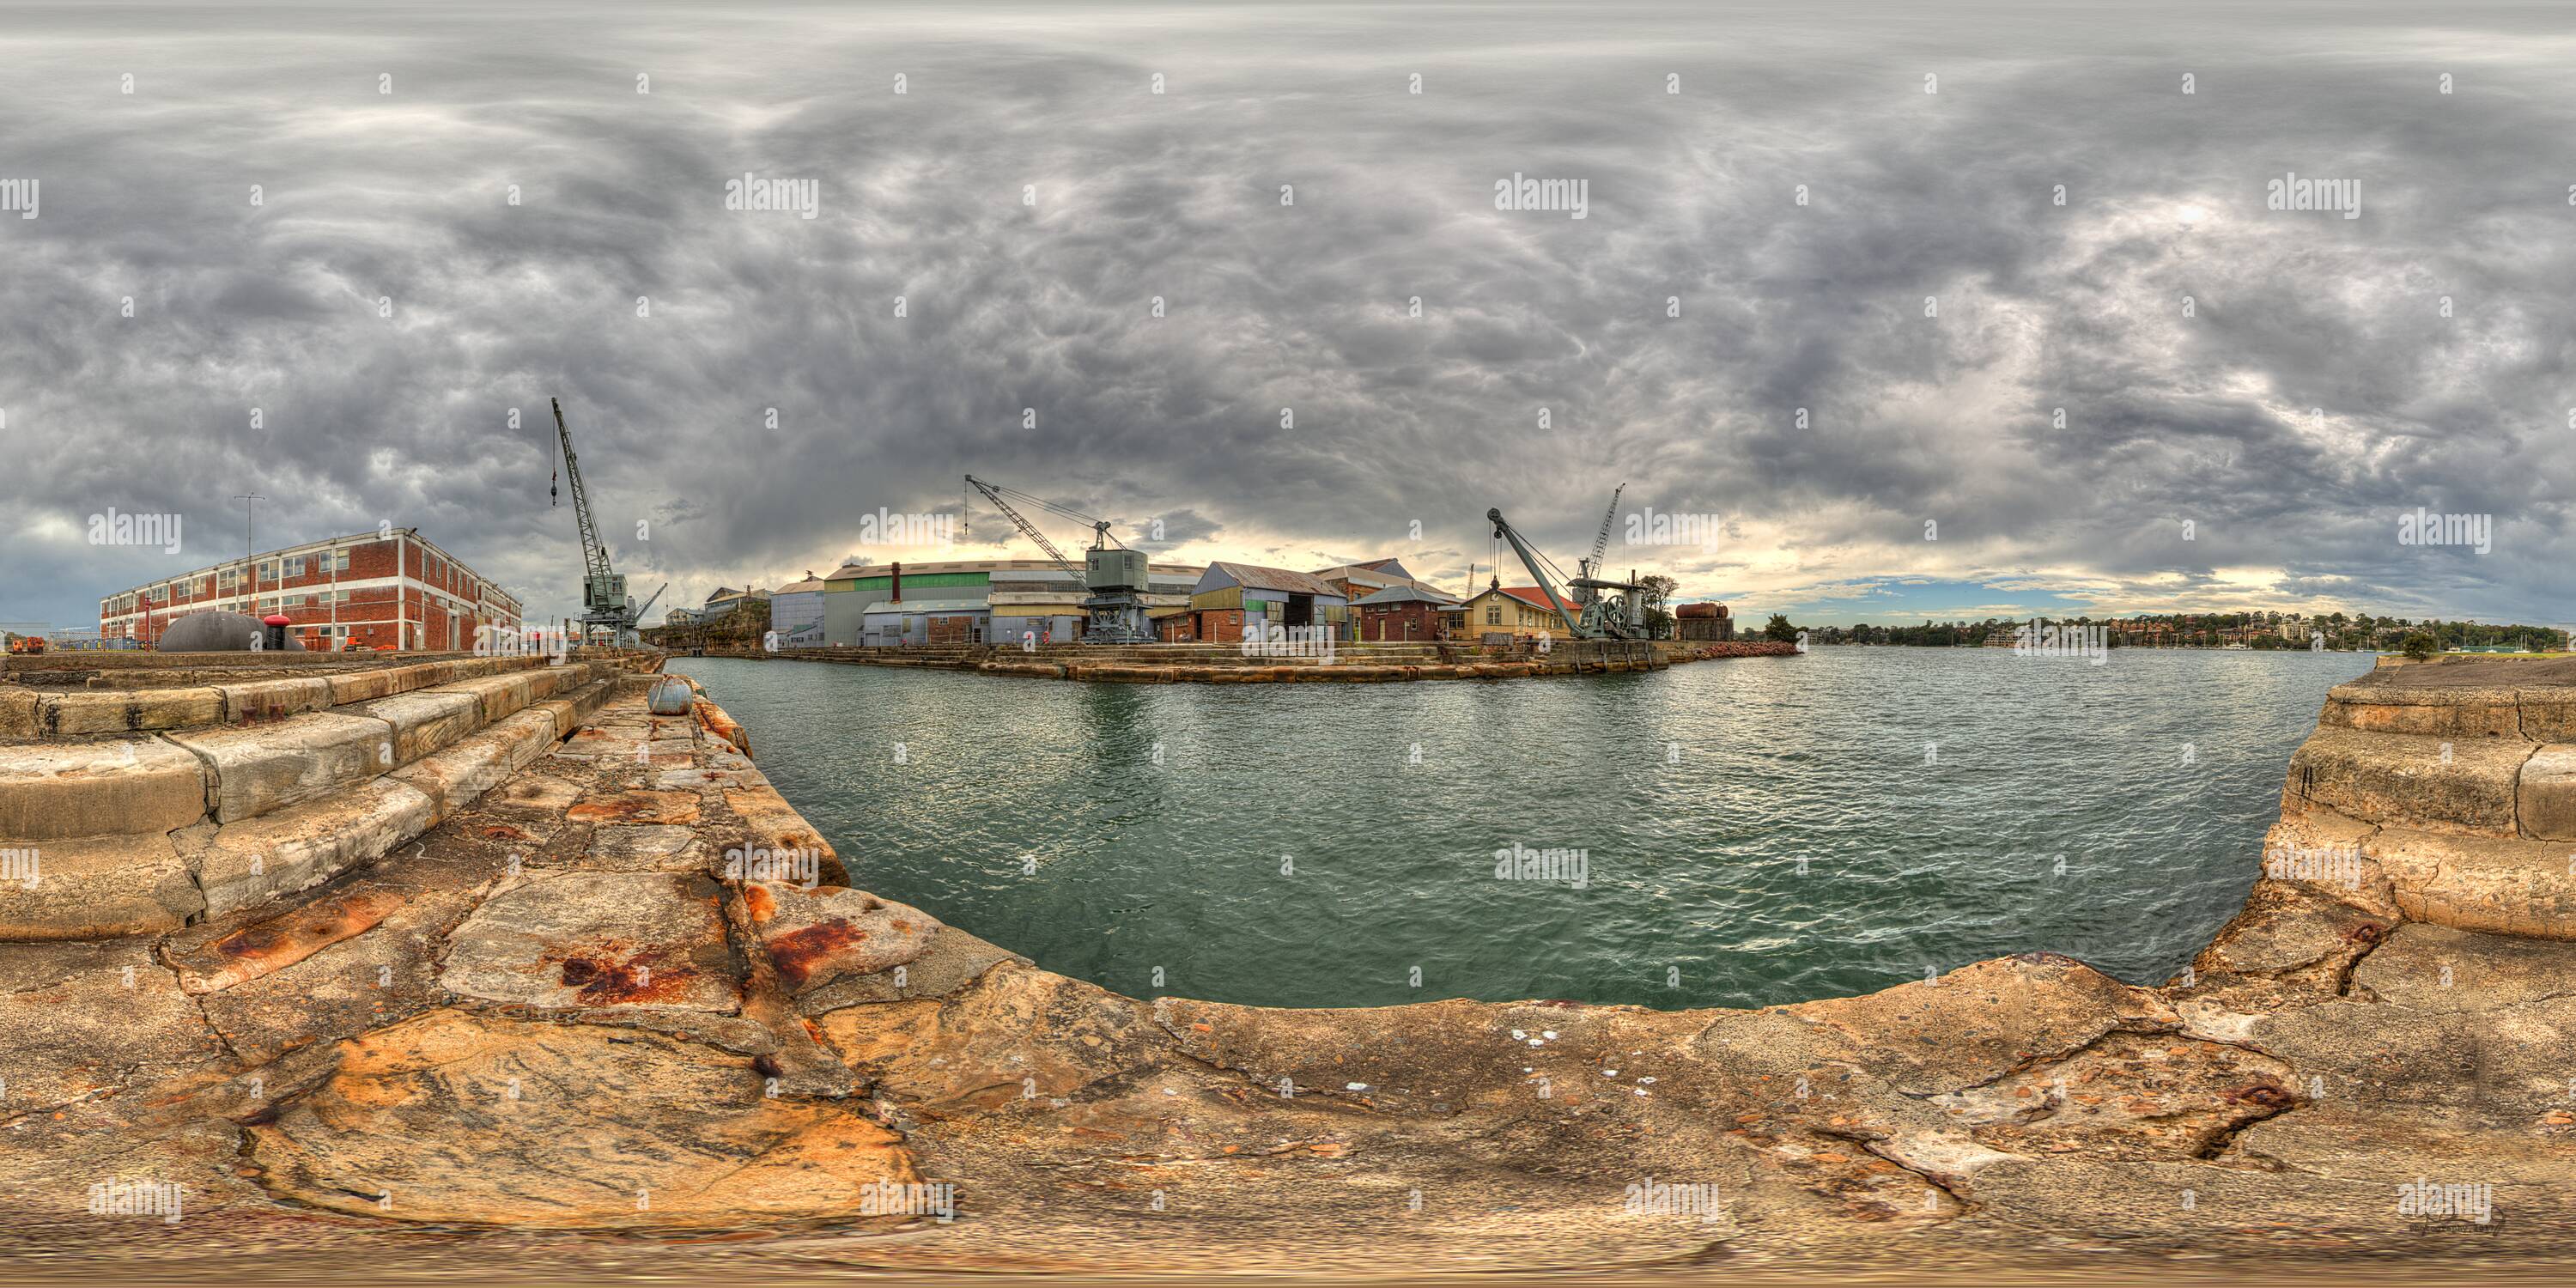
[555, 1014]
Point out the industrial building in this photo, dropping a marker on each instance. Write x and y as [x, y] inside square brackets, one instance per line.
[374, 590]
[972, 601]
[796, 613]
[1229, 597]
[1360, 580]
[1703, 622]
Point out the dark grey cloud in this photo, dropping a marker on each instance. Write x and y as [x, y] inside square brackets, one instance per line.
[2314, 394]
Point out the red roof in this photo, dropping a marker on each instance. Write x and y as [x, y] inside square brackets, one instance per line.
[1530, 595]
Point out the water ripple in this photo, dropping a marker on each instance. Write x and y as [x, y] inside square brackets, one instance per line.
[1762, 830]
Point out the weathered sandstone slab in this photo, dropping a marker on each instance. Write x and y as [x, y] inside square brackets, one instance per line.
[247, 863]
[262, 768]
[99, 888]
[458, 1119]
[264, 700]
[2450, 784]
[574, 940]
[459, 775]
[89, 1019]
[68, 715]
[271, 945]
[2492, 884]
[821, 937]
[18, 713]
[126, 787]
[2547, 798]
[424, 720]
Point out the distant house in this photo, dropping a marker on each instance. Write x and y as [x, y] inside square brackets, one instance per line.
[1399, 614]
[726, 600]
[1703, 622]
[1500, 614]
[1231, 597]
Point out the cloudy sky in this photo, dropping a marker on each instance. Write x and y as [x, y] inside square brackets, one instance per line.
[1850, 402]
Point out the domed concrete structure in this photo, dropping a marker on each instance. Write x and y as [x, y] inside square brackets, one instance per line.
[214, 630]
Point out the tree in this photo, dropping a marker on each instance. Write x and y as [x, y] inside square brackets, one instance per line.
[1778, 628]
[1654, 589]
[2420, 646]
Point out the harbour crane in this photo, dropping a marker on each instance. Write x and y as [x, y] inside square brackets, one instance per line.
[1600, 547]
[604, 601]
[1611, 617]
[1115, 576]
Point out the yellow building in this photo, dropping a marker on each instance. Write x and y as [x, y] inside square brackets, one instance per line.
[1514, 612]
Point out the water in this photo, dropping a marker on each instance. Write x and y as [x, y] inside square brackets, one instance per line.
[1763, 830]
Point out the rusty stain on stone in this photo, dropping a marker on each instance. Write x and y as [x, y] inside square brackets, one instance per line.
[605, 978]
[267, 947]
[798, 953]
[637, 806]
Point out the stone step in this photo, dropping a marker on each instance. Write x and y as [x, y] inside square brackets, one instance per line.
[53, 789]
[2491, 885]
[2461, 784]
[75, 713]
[2534, 713]
[101, 888]
[57, 790]
[295, 803]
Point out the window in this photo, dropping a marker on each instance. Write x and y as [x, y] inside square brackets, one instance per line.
[268, 571]
[227, 578]
[339, 561]
[295, 566]
[1493, 614]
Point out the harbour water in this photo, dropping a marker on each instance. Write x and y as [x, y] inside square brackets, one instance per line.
[1731, 833]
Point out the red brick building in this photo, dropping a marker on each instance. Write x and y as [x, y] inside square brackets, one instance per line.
[1206, 625]
[375, 590]
[1404, 614]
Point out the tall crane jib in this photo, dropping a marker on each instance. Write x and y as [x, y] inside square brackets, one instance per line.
[604, 601]
[1600, 546]
[1115, 577]
[1592, 615]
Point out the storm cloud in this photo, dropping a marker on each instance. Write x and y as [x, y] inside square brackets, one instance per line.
[1893, 295]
